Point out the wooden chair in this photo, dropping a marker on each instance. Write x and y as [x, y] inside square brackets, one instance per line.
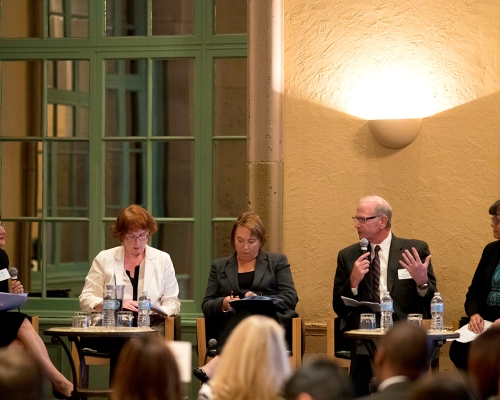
[35, 321]
[297, 345]
[341, 356]
[172, 332]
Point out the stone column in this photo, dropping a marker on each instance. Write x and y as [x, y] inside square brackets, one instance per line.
[265, 109]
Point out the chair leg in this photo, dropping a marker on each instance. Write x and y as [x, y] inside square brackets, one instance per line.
[202, 341]
[296, 359]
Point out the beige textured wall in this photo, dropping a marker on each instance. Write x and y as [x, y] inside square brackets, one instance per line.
[446, 57]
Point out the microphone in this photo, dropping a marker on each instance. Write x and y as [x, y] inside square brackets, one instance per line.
[364, 244]
[13, 273]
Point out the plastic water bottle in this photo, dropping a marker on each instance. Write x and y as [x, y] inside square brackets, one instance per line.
[386, 308]
[108, 310]
[144, 307]
[437, 309]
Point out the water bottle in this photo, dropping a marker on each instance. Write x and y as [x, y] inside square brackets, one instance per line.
[108, 310]
[437, 309]
[386, 307]
[144, 307]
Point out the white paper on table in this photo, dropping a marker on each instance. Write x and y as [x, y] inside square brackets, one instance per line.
[354, 303]
[182, 353]
[9, 301]
[466, 335]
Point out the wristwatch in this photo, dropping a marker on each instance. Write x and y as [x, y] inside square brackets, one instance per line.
[423, 287]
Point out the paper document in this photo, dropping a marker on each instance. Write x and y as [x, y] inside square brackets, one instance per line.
[158, 310]
[9, 301]
[252, 298]
[467, 335]
[354, 303]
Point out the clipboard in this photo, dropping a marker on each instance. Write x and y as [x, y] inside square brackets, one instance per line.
[255, 306]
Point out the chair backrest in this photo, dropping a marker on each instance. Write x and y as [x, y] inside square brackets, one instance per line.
[35, 321]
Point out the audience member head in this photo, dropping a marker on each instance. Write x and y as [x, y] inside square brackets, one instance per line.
[318, 379]
[483, 362]
[254, 362]
[252, 222]
[146, 370]
[21, 376]
[440, 387]
[495, 208]
[402, 351]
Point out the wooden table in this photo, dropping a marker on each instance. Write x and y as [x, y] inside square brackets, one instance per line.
[435, 339]
[74, 335]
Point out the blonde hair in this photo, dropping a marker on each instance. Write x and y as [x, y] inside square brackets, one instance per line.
[254, 362]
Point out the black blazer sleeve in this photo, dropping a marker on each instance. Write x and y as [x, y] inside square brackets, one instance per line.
[4, 264]
[475, 299]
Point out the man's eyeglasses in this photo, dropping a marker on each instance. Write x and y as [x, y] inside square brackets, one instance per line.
[132, 238]
[362, 220]
[495, 220]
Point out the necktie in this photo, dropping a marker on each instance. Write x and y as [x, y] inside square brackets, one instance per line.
[376, 275]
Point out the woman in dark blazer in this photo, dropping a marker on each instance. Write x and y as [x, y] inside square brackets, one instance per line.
[482, 301]
[249, 272]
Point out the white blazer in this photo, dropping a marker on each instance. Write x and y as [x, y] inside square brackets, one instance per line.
[157, 278]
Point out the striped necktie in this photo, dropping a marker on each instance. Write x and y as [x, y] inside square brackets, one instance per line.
[376, 275]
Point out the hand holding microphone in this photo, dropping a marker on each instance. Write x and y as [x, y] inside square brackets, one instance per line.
[16, 286]
[361, 265]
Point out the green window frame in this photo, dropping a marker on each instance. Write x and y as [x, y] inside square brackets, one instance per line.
[209, 226]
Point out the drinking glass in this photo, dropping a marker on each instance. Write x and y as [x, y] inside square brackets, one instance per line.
[80, 320]
[415, 319]
[367, 322]
[124, 319]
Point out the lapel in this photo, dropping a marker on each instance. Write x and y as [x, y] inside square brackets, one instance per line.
[395, 252]
[260, 268]
[231, 270]
[149, 268]
[118, 266]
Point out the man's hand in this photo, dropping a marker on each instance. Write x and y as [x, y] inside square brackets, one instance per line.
[360, 269]
[476, 323]
[415, 267]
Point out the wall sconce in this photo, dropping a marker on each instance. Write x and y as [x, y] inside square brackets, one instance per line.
[395, 133]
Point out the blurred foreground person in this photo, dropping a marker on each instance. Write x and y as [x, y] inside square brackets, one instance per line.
[146, 370]
[439, 387]
[318, 379]
[21, 376]
[253, 365]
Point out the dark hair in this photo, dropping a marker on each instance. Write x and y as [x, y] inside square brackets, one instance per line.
[405, 347]
[442, 388]
[133, 218]
[483, 362]
[253, 222]
[321, 378]
[146, 370]
[495, 208]
[21, 376]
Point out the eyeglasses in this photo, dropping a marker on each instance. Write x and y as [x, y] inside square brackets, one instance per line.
[132, 238]
[362, 220]
[495, 220]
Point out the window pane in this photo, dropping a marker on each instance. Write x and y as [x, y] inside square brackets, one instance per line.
[21, 18]
[126, 97]
[230, 16]
[125, 181]
[172, 17]
[126, 18]
[230, 178]
[73, 11]
[176, 238]
[21, 245]
[67, 248]
[21, 98]
[222, 239]
[67, 181]
[230, 97]
[173, 97]
[21, 186]
[173, 179]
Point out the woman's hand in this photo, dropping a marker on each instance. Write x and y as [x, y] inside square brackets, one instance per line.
[250, 294]
[130, 305]
[16, 287]
[225, 303]
[476, 323]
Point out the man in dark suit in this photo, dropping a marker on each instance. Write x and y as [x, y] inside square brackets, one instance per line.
[400, 360]
[405, 271]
